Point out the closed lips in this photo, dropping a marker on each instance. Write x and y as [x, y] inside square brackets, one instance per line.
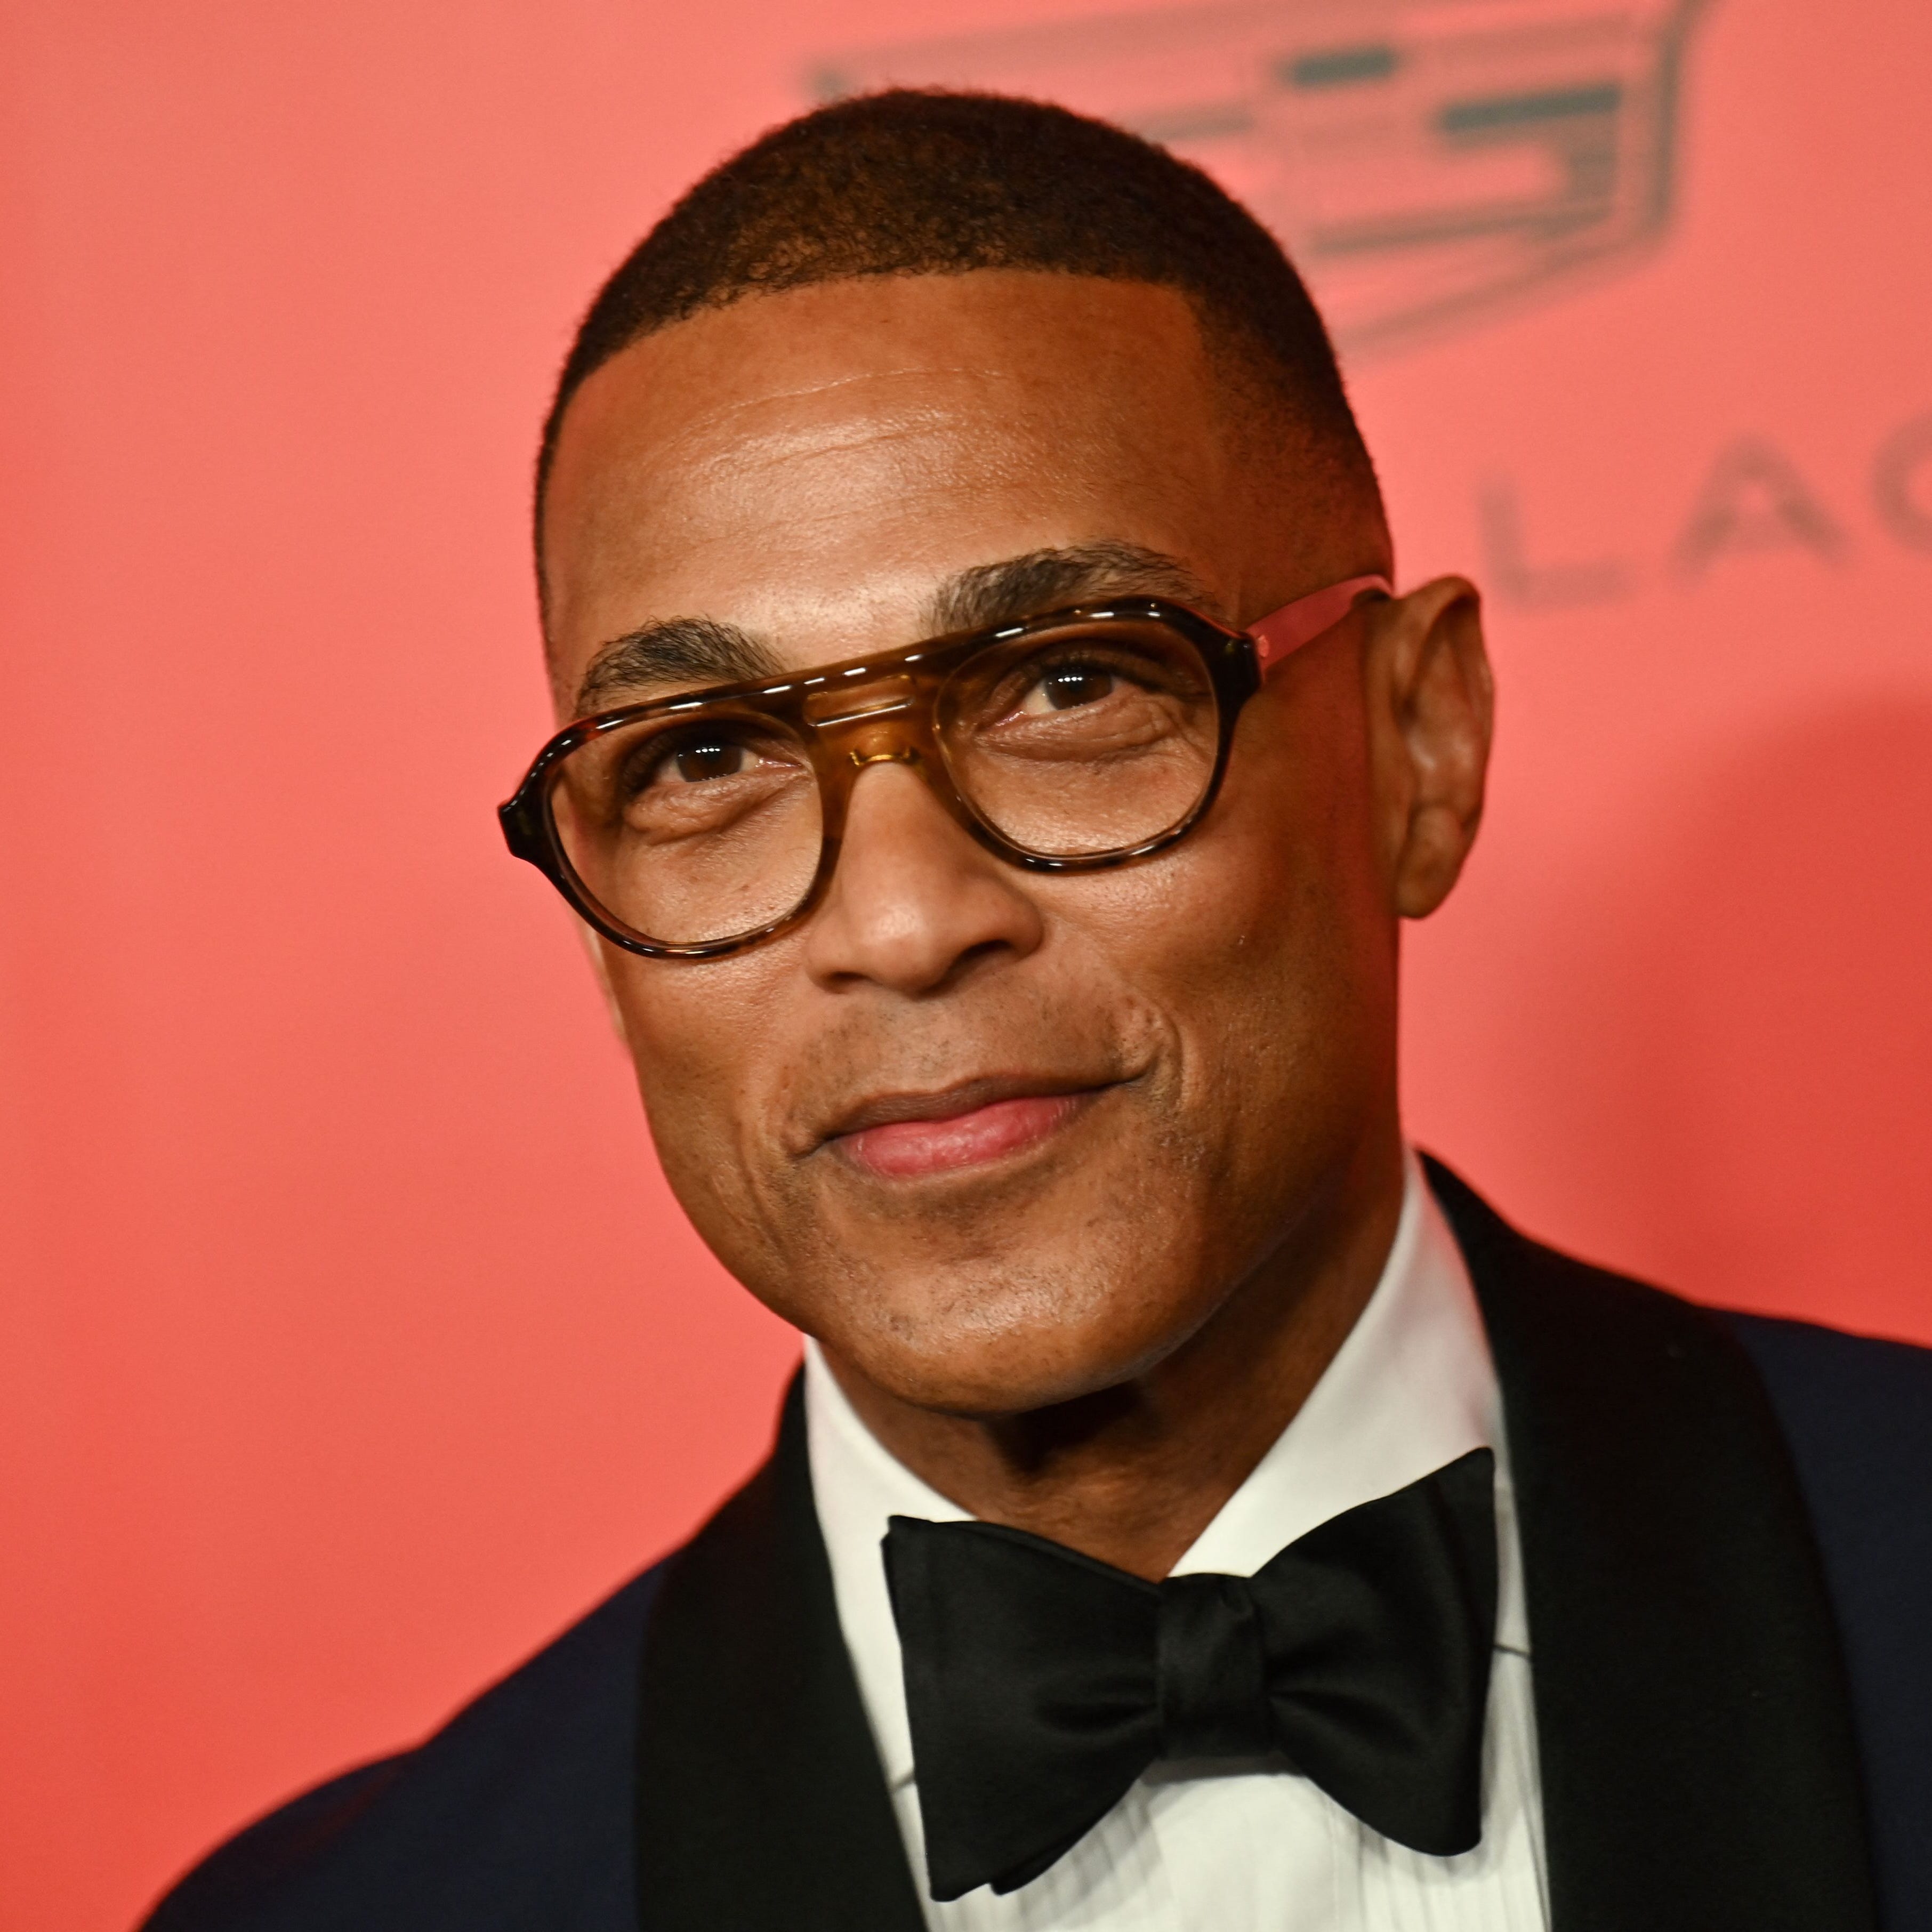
[906, 1136]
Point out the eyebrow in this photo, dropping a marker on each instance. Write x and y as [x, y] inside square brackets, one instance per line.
[695, 652]
[991, 594]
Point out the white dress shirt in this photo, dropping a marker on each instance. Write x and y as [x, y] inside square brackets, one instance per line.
[1250, 1849]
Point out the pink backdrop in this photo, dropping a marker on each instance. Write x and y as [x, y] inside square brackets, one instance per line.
[349, 1344]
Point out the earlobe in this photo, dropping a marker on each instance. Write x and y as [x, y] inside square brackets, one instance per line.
[1436, 708]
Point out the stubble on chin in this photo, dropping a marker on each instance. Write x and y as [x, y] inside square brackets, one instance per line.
[1015, 1290]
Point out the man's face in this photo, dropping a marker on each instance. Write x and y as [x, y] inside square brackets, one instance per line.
[998, 1139]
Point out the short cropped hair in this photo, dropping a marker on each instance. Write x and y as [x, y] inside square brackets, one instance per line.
[912, 181]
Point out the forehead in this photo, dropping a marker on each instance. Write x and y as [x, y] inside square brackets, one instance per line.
[844, 447]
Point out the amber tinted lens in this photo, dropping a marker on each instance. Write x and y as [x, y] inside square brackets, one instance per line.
[691, 830]
[1095, 738]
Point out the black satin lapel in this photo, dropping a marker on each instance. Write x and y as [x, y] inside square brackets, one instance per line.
[761, 1806]
[1698, 1768]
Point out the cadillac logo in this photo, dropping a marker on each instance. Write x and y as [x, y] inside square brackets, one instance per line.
[1423, 160]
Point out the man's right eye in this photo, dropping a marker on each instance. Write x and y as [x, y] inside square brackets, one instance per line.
[708, 758]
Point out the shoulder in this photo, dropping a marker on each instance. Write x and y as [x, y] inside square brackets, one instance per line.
[1857, 1408]
[1857, 1413]
[516, 1816]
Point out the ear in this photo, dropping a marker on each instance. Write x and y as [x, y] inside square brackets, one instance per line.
[1431, 709]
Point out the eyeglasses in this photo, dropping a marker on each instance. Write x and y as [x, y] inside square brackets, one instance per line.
[695, 826]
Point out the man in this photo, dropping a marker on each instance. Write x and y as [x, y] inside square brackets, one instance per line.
[1004, 766]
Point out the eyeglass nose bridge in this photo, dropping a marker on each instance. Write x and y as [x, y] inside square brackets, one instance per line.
[837, 711]
[884, 720]
[888, 721]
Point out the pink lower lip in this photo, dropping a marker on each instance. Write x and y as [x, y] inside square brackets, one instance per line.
[905, 1149]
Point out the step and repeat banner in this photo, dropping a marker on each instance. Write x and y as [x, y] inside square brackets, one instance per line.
[350, 1342]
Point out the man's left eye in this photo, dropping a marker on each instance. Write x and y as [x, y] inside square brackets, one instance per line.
[1062, 690]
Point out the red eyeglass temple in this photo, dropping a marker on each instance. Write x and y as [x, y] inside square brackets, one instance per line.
[1304, 620]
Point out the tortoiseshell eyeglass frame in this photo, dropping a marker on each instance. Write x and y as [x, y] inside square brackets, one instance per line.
[883, 708]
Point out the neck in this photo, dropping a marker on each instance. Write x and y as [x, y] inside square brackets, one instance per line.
[1133, 1474]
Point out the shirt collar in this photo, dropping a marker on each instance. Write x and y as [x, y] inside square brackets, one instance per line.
[1412, 1387]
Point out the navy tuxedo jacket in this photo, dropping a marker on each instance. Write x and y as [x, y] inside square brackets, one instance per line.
[1727, 1537]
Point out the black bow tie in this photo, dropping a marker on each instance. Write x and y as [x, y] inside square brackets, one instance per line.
[1040, 1683]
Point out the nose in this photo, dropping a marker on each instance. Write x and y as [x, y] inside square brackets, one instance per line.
[914, 899]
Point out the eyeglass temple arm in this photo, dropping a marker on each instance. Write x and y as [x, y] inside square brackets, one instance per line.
[1302, 622]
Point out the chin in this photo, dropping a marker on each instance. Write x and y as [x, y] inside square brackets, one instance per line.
[1016, 1347]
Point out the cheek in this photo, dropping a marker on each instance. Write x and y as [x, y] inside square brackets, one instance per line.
[708, 1061]
[1265, 937]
